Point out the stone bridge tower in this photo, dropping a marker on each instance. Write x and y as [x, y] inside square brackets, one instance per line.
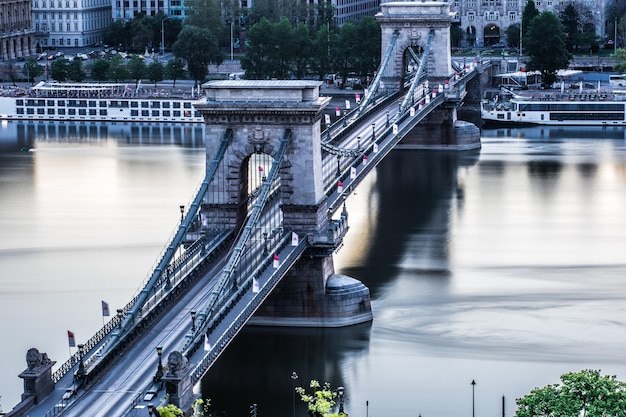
[413, 21]
[258, 112]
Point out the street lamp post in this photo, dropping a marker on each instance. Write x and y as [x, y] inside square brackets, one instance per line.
[193, 320]
[163, 36]
[294, 376]
[230, 22]
[473, 385]
[120, 314]
[615, 36]
[159, 372]
[182, 213]
[340, 391]
[373, 131]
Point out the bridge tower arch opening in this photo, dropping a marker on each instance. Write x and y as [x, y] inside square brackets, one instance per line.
[411, 22]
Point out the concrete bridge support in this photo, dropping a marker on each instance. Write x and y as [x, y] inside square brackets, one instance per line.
[258, 113]
[442, 130]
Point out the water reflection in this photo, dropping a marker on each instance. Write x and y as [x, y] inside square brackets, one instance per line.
[257, 367]
[26, 134]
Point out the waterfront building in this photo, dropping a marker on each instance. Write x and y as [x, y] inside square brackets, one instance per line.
[484, 22]
[70, 23]
[16, 29]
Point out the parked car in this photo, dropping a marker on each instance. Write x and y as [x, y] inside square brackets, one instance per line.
[499, 45]
[82, 56]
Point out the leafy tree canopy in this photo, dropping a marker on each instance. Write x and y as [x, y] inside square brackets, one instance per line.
[32, 69]
[529, 13]
[545, 47]
[198, 47]
[320, 399]
[585, 393]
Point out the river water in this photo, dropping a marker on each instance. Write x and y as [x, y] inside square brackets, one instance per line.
[504, 266]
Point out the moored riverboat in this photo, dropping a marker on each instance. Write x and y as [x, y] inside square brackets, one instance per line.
[583, 108]
[106, 102]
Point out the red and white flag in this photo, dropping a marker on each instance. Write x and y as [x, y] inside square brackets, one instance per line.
[421, 105]
[352, 172]
[207, 345]
[446, 85]
[364, 159]
[434, 93]
[412, 111]
[327, 119]
[339, 186]
[71, 339]
[375, 147]
[294, 239]
[348, 104]
[337, 111]
[105, 309]
[357, 98]
[276, 262]
[395, 129]
[255, 285]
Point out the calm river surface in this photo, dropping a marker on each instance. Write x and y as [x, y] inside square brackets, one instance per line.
[504, 266]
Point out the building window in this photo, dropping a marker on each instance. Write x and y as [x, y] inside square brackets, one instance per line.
[471, 4]
[470, 16]
[512, 16]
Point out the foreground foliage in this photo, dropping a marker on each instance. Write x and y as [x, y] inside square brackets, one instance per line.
[320, 400]
[580, 394]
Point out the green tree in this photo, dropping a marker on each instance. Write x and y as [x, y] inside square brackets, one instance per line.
[32, 69]
[530, 12]
[368, 52]
[321, 62]
[75, 71]
[301, 45]
[58, 70]
[260, 52]
[545, 47]
[117, 69]
[205, 14]
[118, 33]
[156, 72]
[170, 410]
[142, 32]
[100, 70]
[585, 393]
[320, 400]
[347, 52]
[175, 69]
[198, 47]
[136, 69]
[620, 59]
[570, 19]
[513, 35]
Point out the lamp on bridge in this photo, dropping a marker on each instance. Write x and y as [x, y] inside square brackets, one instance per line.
[294, 376]
[373, 131]
[473, 385]
[358, 143]
[159, 372]
[80, 373]
[387, 119]
[340, 391]
[193, 320]
[120, 314]
[338, 166]
[182, 213]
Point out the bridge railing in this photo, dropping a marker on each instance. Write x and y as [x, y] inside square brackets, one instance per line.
[242, 318]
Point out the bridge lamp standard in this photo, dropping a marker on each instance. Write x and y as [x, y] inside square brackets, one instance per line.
[159, 372]
[182, 212]
[340, 391]
[373, 131]
[294, 376]
[387, 119]
[193, 320]
[473, 385]
[120, 314]
[163, 36]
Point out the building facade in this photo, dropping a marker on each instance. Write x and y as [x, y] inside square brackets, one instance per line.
[484, 22]
[16, 29]
[70, 23]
